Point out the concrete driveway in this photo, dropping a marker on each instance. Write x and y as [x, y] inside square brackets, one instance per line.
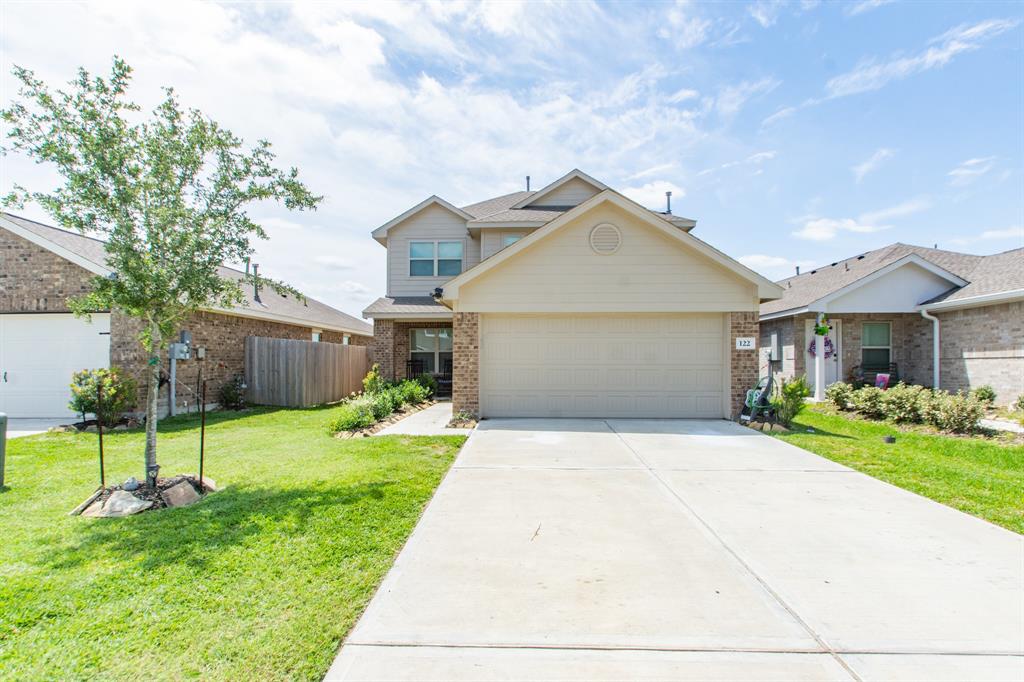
[696, 550]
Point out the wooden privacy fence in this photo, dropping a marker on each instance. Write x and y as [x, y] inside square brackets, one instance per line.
[294, 373]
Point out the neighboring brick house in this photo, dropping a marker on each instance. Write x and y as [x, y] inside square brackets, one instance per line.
[876, 304]
[568, 301]
[42, 343]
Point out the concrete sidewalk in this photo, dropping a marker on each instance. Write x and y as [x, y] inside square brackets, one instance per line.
[601, 550]
[433, 421]
[30, 427]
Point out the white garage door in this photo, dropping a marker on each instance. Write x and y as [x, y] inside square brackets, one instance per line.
[38, 354]
[655, 366]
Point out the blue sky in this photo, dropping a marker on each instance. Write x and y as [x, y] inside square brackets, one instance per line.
[793, 132]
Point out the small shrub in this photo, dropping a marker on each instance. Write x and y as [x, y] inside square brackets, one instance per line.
[1018, 404]
[960, 413]
[789, 401]
[119, 393]
[427, 381]
[869, 402]
[384, 403]
[901, 404]
[373, 382]
[353, 414]
[840, 394]
[928, 403]
[413, 392]
[985, 394]
[231, 395]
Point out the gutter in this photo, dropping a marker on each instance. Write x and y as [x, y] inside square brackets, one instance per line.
[936, 348]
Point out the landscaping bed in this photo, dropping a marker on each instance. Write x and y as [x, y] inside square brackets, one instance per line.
[260, 581]
[978, 474]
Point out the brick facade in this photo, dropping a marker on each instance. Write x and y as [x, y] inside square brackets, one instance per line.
[984, 346]
[390, 346]
[743, 364]
[911, 344]
[35, 280]
[466, 363]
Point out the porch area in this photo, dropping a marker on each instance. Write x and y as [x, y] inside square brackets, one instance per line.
[405, 349]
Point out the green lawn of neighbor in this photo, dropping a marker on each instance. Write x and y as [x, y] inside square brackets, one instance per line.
[261, 580]
[974, 475]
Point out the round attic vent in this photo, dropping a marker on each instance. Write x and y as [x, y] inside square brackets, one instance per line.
[605, 239]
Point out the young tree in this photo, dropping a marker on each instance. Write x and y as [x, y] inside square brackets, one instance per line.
[167, 191]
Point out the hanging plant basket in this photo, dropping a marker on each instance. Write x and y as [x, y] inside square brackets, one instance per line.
[822, 329]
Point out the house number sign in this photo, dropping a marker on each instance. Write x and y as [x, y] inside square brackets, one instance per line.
[744, 343]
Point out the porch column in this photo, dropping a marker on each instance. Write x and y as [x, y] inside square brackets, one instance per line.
[819, 363]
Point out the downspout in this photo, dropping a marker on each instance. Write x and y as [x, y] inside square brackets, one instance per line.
[936, 347]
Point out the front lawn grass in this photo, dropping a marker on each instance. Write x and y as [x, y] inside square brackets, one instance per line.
[970, 474]
[261, 580]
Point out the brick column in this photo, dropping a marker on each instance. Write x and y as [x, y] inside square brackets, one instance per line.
[743, 363]
[382, 348]
[466, 363]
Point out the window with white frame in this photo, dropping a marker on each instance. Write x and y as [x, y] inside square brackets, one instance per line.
[317, 336]
[432, 348]
[876, 345]
[510, 239]
[435, 259]
[346, 340]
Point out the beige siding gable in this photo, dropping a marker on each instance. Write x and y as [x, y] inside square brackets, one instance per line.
[650, 272]
[431, 224]
[571, 193]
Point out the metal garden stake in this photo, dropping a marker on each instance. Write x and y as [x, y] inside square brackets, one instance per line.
[99, 430]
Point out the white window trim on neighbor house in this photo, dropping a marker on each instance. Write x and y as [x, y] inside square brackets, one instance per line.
[436, 258]
[864, 346]
[438, 351]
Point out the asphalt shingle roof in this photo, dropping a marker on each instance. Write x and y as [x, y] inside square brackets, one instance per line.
[405, 305]
[992, 275]
[311, 312]
[806, 288]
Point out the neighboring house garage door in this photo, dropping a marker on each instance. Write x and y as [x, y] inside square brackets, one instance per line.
[38, 354]
[654, 366]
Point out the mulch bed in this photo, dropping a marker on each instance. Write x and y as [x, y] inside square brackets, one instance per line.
[462, 424]
[144, 492]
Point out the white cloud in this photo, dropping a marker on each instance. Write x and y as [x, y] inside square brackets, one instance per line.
[731, 98]
[648, 172]
[873, 74]
[684, 29]
[652, 194]
[782, 113]
[1015, 233]
[823, 229]
[872, 163]
[864, 6]
[752, 160]
[773, 267]
[970, 170]
[683, 95]
[765, 12]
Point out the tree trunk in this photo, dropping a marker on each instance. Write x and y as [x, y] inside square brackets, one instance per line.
[151, 403]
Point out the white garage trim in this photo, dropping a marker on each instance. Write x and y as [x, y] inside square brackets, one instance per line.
[38, 354]
[607, 365]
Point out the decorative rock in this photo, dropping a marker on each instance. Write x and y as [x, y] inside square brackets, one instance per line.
[209, 484]
[131, 484]
[120, 503]
[180, 495]
[91, 429]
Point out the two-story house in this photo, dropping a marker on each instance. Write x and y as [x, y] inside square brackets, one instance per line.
[568, 301]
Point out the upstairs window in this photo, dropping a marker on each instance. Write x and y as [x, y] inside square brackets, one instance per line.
[510, 239]
[435, 259]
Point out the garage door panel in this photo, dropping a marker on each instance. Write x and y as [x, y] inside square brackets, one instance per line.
[602, 366]
[39, 353]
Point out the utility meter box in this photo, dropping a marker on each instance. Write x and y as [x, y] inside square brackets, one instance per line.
[180, 351]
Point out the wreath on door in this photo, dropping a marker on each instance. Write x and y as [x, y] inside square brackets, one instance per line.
[830, 349]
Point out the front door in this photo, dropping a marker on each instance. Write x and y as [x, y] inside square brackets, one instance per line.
[833, 351]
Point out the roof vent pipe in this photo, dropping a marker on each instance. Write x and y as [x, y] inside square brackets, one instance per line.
[668, 202]
[527, 183]
[798, 269]
[256, 282]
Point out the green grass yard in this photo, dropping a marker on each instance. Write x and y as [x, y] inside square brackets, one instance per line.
[973, 475]
[259, 581]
